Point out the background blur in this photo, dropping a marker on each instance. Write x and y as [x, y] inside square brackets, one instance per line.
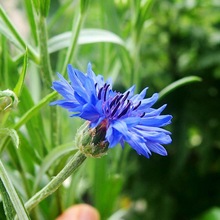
[150, 44]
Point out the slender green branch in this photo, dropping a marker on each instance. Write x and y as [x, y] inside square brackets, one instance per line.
[54, 184]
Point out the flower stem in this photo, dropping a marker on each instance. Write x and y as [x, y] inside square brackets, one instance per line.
[54, 184]
[45, 66]
[46, 73]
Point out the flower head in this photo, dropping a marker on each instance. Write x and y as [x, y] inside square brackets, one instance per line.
[125, 117]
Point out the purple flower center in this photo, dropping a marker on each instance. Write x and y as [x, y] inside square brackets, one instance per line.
[116, 105]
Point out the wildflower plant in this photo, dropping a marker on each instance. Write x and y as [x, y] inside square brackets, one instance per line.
[116, 117]
[40, 147]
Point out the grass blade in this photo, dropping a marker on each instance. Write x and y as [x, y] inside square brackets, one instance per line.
[177, 84]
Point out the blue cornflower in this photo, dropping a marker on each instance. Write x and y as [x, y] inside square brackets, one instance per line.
[126, 117]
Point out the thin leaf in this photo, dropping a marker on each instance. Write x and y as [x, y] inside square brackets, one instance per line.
[12, 34]
[32, 111]
[8, 206]
[36, 5]
[15, 200]
[6, 32]
[31, 19]
[20, 82]
[178, 83]
[86, 36]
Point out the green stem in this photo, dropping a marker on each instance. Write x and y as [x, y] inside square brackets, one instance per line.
[23, 44]
[46, 73]
[75, 34]
[54, 184]
[59, 201]
[54, 126]
[45, 66]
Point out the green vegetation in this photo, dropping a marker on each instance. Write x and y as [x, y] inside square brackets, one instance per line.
[172, 46]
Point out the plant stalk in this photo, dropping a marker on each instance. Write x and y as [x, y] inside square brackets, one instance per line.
[55, 183]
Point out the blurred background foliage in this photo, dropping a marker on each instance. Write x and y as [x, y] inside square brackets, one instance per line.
[147, 43]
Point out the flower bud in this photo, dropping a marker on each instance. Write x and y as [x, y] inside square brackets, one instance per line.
[8, 99]
[91, 141]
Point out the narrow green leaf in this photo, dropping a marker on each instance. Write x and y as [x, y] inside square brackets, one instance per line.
[20, 82]
[177, 84]
[11, 133]
[86, 36]
[8, 206]
[38, 138]
[29, 114]
[8, 30]
[36, 4]
[31, 19]
[15, 200]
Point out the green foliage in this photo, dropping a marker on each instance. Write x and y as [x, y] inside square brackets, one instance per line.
[213, 214]
[12, 203]
[164, 45]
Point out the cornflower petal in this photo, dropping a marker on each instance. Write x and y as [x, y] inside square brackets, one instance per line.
[158, 121]
[157, 148]
[123, 117]
[70, 105]
[90, 113]
[113, 136]
[154, 112]
[139, 97]
[63, 87]
[147, 103]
